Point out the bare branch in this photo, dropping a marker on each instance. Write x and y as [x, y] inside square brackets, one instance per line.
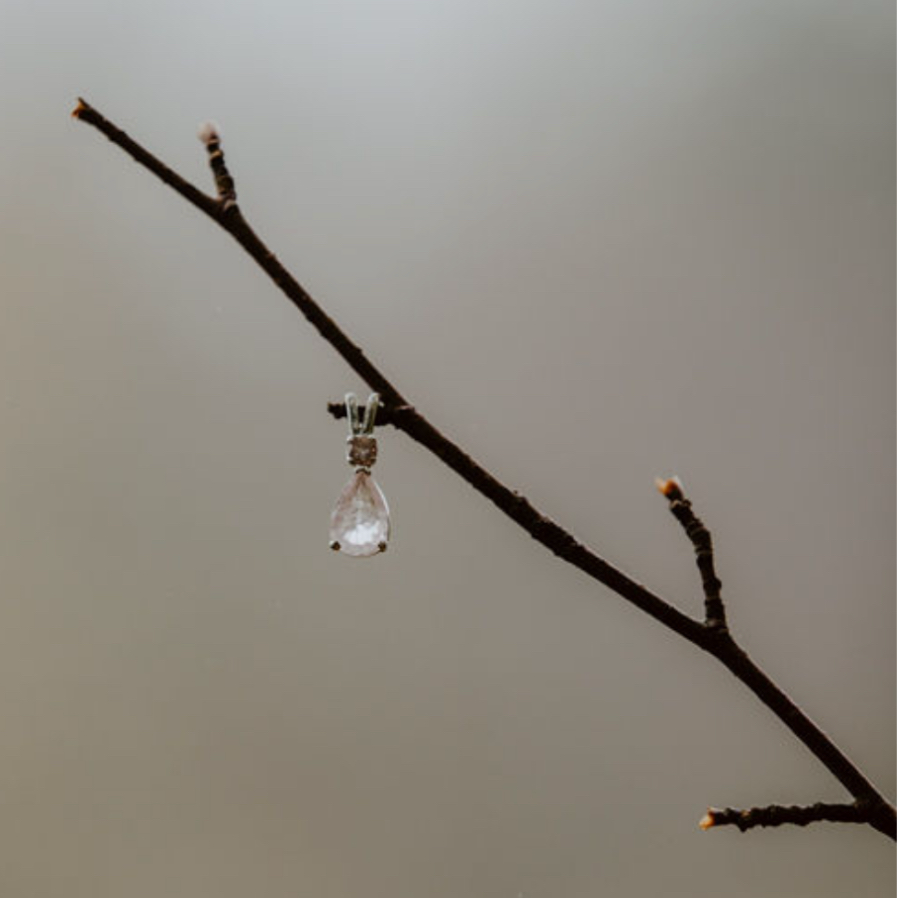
[698, 533]
[714, 639]
[404, 416]
[86, 113]
[777, 815]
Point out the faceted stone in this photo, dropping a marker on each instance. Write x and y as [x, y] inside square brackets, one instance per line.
[362, 452]
[360, 521]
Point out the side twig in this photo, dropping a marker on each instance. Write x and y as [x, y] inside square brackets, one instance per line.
[224, 183]
[710, 635]
[698, 533]
[777, 815]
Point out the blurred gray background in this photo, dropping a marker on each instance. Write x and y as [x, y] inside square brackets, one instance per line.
[595, 243]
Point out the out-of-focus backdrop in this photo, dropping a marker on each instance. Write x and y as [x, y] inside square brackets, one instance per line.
[595, 243]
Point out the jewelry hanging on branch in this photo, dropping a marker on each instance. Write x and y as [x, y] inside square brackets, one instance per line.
[360, 521]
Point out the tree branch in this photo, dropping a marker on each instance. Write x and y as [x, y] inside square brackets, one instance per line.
[777, 815]
[710, 635]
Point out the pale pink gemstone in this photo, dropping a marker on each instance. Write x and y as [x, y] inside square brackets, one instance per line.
[360, 521]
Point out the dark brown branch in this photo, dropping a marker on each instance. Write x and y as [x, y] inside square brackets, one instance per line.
[700, 536]
[882, 814]
[715, 640]
[777, 815]
[86, 113]
[404, 416]
[232, 221]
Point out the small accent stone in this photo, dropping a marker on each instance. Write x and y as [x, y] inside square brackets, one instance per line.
[362, 451]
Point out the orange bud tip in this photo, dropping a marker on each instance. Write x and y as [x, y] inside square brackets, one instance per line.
[81, 107]
[671, 488]
[707, 821]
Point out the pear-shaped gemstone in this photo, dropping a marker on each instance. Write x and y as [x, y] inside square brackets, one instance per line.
[360, 521]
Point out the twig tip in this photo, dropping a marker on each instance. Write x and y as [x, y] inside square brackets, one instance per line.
[707, 821]
[670, 487]
[79, 109]
[208, 133]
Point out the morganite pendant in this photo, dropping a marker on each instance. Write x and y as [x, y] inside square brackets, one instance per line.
[360, 521]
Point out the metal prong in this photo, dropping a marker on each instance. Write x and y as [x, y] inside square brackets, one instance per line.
[370, 413]
[352, 414]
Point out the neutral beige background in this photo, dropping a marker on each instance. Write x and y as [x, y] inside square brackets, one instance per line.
[595, 242]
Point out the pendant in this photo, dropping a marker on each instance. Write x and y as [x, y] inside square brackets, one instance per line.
[360, 521]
